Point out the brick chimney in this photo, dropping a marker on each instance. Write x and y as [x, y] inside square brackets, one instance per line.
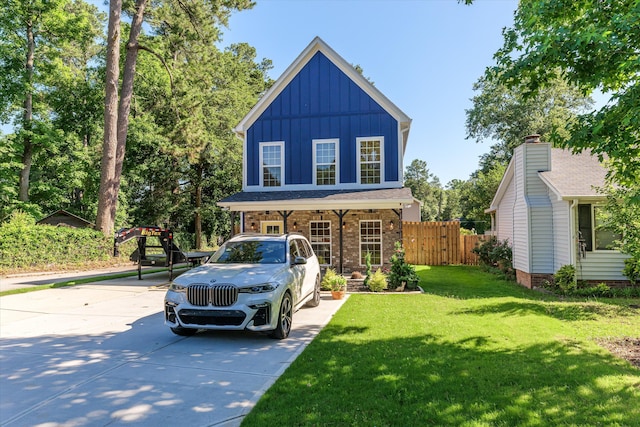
[532, 139]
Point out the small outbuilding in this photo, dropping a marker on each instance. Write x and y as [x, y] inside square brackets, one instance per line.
[65, 219]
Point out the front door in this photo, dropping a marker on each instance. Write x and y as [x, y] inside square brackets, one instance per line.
[271, 227]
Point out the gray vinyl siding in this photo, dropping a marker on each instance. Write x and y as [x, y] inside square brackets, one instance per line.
[541, 238]
[504, 214]
[562, 235]
[520, 216]
[601, 265]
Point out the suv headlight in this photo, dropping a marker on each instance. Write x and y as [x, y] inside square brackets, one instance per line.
[175, 287]
[259, 289]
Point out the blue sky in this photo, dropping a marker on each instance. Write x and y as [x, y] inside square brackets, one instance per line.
[424, 55]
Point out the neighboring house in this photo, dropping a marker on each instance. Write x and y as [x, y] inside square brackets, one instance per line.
[64, 218]
[549, 209]
[323, 155]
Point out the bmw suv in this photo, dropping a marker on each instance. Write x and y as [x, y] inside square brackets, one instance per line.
[253, 282]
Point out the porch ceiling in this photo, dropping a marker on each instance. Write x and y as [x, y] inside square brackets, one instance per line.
[390, 198]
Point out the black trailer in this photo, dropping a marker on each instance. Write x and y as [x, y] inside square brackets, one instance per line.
[171, 252]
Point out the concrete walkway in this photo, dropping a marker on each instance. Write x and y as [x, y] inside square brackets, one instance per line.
[99, 354]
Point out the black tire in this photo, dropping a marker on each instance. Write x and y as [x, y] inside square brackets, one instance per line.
[184, 332]
[285, 318]
[315, 301]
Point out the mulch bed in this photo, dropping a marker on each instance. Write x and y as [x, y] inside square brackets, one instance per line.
[625, 348]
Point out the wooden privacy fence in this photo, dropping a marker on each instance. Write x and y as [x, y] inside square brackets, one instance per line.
[438, 243]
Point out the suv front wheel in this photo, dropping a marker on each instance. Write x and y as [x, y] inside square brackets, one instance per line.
[285, 317]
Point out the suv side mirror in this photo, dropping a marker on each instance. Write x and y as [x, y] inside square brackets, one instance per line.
[299, 260]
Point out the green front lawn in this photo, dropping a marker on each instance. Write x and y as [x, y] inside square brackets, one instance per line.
[472, 351]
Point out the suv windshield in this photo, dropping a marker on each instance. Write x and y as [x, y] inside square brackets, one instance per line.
[250, 252]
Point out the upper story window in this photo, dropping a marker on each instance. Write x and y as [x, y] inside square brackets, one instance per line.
[325, 160]
[594, 234]
[370, 160]
[272, 163]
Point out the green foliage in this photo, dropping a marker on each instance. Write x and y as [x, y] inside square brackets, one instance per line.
[25, 244]
[564, 281]
[496, 254]
[367, 264]
[594, 45]
[425, 187]
[333, 281]
[378, 281]
[401, 271]
[632, 270]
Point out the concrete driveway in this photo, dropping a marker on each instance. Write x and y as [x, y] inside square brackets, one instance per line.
[99, 354]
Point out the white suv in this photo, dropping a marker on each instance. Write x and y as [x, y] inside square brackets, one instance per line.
[254, 282]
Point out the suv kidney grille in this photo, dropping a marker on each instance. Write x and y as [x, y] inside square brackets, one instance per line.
[218, 295]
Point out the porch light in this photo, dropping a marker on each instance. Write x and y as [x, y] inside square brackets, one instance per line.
[295, 226]
[253, 226]
[344, 225]
[391, 225]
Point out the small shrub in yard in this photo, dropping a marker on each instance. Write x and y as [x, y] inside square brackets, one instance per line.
[401, 271]
[496, 254]
[632, 269]
[333, 281]
[378, 281]
[367, 263]
[565, 279]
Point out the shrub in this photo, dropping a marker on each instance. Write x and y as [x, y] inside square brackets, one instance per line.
[401, 271]
[378, 281]
[496, 254]
[367, 263]
[333, 281]
[26, 245]
[356, 275]
[632, 269]
[565, 279]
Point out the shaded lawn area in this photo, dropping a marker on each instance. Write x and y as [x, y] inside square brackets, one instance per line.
[472, 351]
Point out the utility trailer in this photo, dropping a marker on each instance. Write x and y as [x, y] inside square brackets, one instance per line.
[171, 253]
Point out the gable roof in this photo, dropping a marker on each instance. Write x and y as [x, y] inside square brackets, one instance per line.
[574, 176]
[318, 45]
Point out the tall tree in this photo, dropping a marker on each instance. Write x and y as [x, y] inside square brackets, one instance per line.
[426, 187]
[39, 44]
[595, 43]
[201, 21]
[506, 114]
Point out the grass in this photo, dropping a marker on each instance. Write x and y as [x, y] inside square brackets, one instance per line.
[471, 351]
[74, 282]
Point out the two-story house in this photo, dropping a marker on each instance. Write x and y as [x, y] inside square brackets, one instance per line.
[323, 156]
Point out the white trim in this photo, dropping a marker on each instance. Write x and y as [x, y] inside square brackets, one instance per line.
[265, 224]
[381, 161]
[360, 255]
[330, 243]
[315, 204]
[343, 186]
[336, 143]
[261, 147]
[318, 45]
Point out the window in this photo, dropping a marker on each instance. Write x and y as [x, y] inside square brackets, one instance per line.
[371, 241]
[325, 158]
[320, 238]
[272, 161]
[370, 163]
[593, 233]
[271, 227]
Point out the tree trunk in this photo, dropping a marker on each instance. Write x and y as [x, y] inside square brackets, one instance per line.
[198, 216]
[27, 153]
[126, 94]
[107, 197]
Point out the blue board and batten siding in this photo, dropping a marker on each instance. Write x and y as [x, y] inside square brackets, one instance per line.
[321, 102]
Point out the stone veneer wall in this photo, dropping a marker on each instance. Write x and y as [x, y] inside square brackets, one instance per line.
[351, 232]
